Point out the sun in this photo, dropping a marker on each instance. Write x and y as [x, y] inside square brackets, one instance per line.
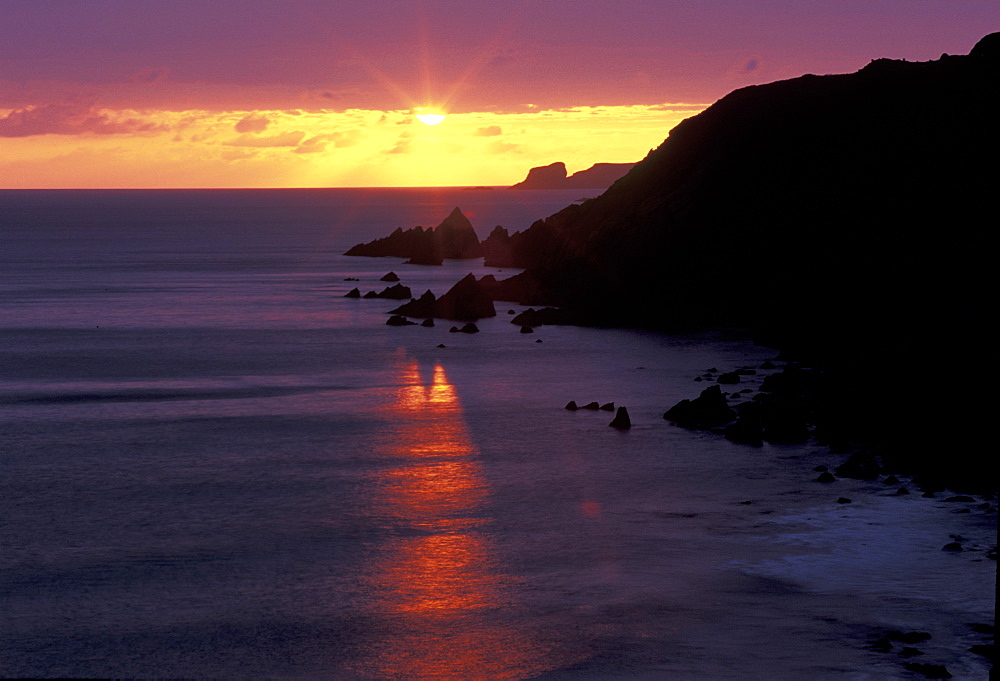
[428, 118]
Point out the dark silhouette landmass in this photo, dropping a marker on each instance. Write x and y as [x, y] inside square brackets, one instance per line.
[468, 300]
[554, 176]
[453, 238]
[842, 218]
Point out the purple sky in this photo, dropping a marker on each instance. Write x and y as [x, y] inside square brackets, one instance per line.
[262, 93]
[554, 53]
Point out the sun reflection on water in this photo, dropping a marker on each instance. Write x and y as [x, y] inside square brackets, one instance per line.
[446, 602]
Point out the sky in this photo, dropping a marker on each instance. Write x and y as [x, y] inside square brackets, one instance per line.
[326, 93]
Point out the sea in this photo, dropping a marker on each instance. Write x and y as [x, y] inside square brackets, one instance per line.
[215, 465]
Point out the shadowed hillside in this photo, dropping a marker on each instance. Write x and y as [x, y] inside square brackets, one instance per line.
[842, 218]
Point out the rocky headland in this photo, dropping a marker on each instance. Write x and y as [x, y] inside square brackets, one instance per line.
[555, 176]
[840, 218]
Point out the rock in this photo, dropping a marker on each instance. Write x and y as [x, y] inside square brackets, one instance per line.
[395, 292]
[398, 320]
[453, 238]
[591, 405]
[465, 301]
[954, 547]
[708, 410]
[902, 491]
[891, 480]
[469, 328]
[621, 420]
[429, 323]
[370, 294]
[571, 405]
[745, 431]
[390, 276]
[860, 466]
[728, 378]
[440, 345]
[548, 315]
[353, 293]
[843, 500]
[610, 406]
[527, 329]
[930, 671]
[826, 477]
[960, 497]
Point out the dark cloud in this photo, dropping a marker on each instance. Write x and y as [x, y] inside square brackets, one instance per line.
[252, 124]
[285, 139]
[158, 75]
[70, 119]
[751, 65]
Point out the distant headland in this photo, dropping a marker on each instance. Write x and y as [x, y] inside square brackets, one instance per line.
[555, 176]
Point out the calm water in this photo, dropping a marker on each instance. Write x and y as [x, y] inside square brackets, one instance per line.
[215, 465]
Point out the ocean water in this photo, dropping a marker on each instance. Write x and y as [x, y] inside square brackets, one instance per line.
[213, 465]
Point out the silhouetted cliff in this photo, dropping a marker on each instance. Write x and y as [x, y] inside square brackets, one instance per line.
[842, 217]
[554, 176]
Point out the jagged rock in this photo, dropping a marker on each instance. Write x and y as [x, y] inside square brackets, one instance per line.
[453, 238]
[424, 306]
[395, 292]
[621, 420]
[465, 301]
[390, 276]
[571, 405]
[591, 405]
[708, 410]
[610, 406]
[397, 320]
[370, 294]
[353, 293]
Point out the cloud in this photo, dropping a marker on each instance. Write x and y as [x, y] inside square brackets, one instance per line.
[71, 119]
[751, 65]
[489, 131]
[157, 75]
[252, 124]
[285, 139]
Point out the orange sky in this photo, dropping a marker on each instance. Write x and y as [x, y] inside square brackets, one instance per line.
[314, 93]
